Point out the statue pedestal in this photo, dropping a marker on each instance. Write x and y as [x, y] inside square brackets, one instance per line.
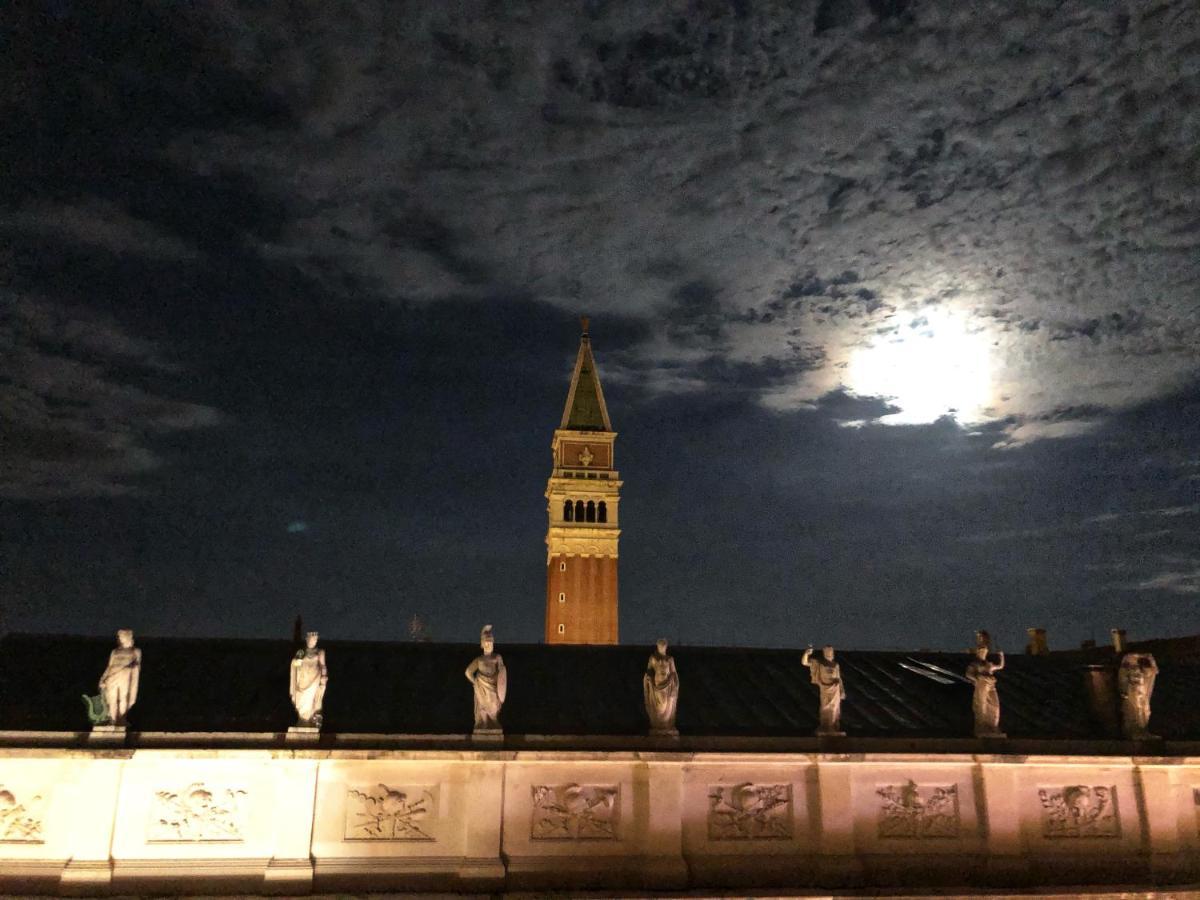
[825, 734]
[668, 733]
[487, 735]
[107, 734]
[992, 736]
[302, 734]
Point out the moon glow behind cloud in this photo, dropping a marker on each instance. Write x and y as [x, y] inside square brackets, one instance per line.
[934, 364]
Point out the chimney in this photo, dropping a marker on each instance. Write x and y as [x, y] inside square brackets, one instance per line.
[1037, 645]
[1100, 685]
[1118, 639]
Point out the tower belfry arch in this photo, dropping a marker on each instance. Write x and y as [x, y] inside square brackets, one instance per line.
[583, 495]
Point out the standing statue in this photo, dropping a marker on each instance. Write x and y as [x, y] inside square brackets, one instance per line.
[986, 703]
[309, 678]
[1135, 683]
[486, 672]
[119, 683]
[660, 690]
[826, 674]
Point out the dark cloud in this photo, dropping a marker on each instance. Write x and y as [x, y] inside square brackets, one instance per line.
[845, 407]
[78, 417]
[694, 316]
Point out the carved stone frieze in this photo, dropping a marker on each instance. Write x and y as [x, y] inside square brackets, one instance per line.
[574, 812]
[910, 810]
[581, 545]
[386, 813]
[197, 813]
[20, 819]
[749, 812]
[1079, 811]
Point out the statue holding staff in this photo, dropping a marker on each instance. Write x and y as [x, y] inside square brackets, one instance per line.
[826, 673]
[660, 690]
[490, 680]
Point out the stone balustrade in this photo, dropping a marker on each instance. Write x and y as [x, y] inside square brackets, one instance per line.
[94, 820]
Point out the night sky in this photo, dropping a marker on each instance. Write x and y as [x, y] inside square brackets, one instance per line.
[894, 303]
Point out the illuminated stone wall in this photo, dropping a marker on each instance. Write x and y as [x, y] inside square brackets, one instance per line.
[293, 821]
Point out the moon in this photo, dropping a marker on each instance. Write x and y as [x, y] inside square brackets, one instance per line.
[935, 364]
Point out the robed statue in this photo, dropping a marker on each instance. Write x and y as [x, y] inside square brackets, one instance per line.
[826, 673]
[309, 678]
[486, 672]
[119, 683]
[660, 689]
[1135, 683]
[981, 672]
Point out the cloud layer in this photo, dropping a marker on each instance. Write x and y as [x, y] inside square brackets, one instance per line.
[894, 304]
[771, 185]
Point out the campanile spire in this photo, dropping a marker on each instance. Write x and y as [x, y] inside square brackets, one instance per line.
[583, 493]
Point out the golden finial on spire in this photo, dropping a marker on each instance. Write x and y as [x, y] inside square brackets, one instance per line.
[583, 323]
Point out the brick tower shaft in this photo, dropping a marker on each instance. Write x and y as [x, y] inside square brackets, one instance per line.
[582, 497]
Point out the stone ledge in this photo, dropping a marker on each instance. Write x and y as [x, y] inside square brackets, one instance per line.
[849, 747]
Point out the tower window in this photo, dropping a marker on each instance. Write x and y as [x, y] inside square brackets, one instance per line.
[562, 598]
[562, 566]
[602, 512]
[568, 509]
[562, 629]
[591, 511]
[578, 510]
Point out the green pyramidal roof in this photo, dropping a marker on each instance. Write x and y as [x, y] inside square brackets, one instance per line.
[585, 409]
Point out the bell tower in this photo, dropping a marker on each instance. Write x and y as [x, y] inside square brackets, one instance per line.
[582, 497]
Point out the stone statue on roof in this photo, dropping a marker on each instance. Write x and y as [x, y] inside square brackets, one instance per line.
[119, 683]
[660, 690]
[1135, 683]
[490, 680]
[986, 702]
[826, 673]
[308, 680]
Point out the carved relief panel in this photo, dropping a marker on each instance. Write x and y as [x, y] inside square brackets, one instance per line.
[574, 812]
[748, 812]
[914, 811]
[594, 455]
[1079, 811]
[20, 817]
[386, 813]
[197, 813]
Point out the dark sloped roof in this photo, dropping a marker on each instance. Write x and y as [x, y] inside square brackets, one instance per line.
[585, 414]
[585, 410]
[419, 688]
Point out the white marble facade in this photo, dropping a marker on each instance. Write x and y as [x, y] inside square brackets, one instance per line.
[193, 821]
